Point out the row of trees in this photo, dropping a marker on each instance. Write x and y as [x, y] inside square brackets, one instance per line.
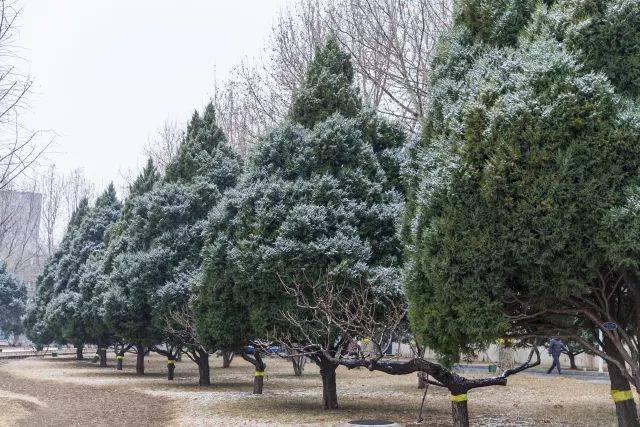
[520, 216]
[299, 246]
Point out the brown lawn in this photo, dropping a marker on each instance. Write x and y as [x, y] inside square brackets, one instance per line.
[36, 392]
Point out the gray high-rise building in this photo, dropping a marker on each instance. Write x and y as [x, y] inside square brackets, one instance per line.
[19, 242]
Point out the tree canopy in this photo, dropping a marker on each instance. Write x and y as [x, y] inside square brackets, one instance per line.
[529, 151]
[65, 305]
[314, 199]
[155, 256]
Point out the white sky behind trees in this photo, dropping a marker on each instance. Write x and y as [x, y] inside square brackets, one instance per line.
[109, 73]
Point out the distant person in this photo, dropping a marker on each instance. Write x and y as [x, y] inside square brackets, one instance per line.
[555, 350]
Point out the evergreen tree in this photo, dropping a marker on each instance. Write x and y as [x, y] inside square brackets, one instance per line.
[204, 168]
[129, 271]
[39, 328]
[328, 88]
[13, 296]
[67, 310]
[314, 200]
[158, 251]
[529, 148]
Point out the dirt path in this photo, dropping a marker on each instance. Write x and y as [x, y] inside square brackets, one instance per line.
[28, 402]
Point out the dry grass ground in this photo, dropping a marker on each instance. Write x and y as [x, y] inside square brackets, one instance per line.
[33, 389]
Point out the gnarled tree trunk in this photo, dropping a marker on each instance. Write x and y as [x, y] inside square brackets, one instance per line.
[258, 378]
[572, 361]
[329, 391]
[139, 359]
[79, 355]
[120, 352]
[626, 410]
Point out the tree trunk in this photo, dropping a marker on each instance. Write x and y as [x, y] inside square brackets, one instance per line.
[298, 365]
[203, 369]
[572, 361]
[227, 357]
[297, 360]
[79, 355]
[460, 413]
[258, 382]
[258, 377]
[102, 354]
[139, 359]
[422, 380]
[329, 392]
[171, 367]
[625, 408]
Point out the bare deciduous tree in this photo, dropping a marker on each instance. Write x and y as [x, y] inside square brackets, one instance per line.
[391, 43]
[76, 187]
[180, 327]
[327, 314]
[19, 148]
[19, 216]
[164, 146]
[51, 186]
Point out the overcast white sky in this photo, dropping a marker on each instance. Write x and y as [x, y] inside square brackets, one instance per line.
[108, 73]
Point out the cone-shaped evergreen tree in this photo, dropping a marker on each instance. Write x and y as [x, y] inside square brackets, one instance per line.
[159, 257]
[145, 181]
[315, 200]
[127, 272]
[38, 329]
[328, 88]
[205, 166]
[13, 297]
[531, 141]
[64, 312]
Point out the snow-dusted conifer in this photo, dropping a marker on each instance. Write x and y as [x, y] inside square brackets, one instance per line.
[314, 200]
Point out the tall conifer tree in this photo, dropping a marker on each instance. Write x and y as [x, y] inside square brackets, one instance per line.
[529, 158]
[315, 200]
[38, 327]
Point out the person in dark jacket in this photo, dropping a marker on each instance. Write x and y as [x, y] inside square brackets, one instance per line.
[555, 350]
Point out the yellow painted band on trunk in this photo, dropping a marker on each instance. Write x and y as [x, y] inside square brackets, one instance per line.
[119, 357]
[259, 373]
[171, 362]
[621, 395]
[459, 397]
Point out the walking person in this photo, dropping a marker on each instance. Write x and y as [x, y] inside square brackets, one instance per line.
[555, 350]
